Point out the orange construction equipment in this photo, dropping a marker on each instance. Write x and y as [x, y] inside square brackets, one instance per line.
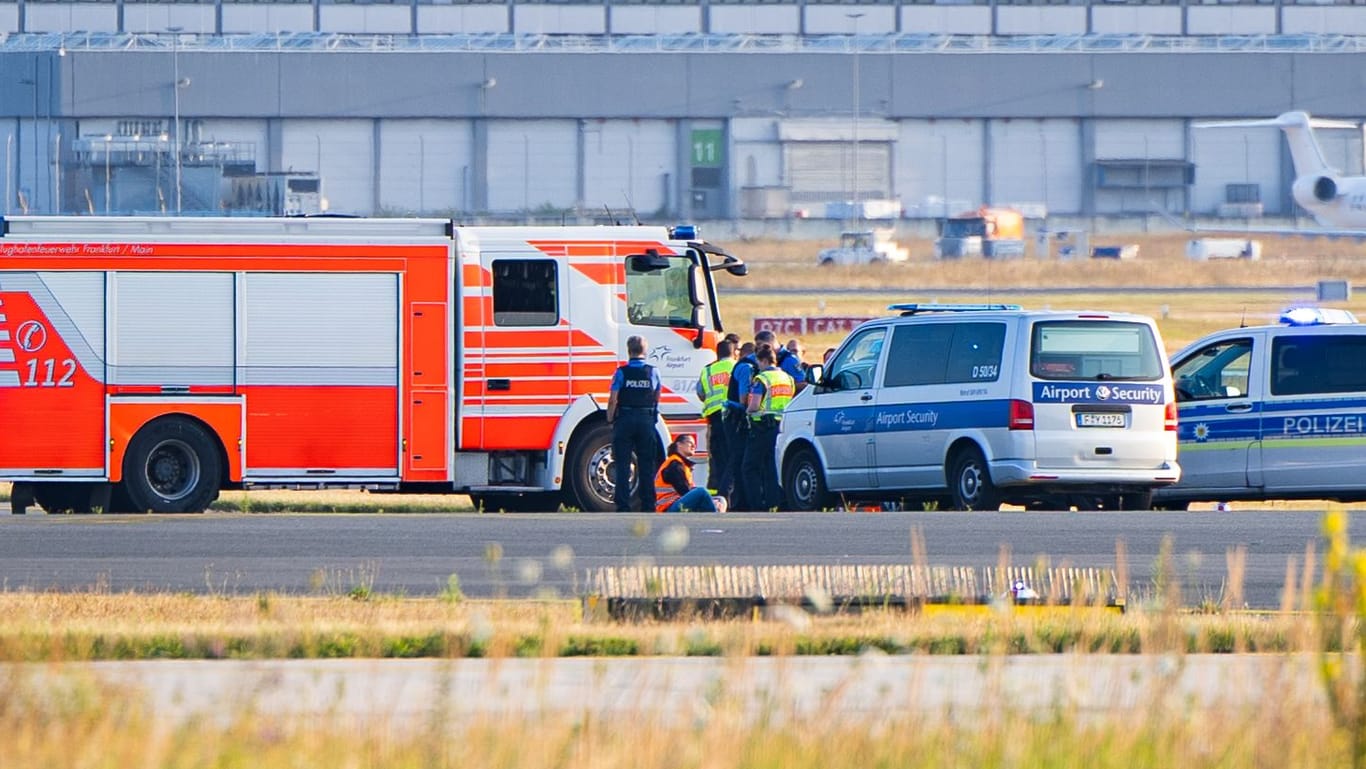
[148, 362]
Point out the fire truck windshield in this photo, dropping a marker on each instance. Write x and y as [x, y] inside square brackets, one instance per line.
[660, 295]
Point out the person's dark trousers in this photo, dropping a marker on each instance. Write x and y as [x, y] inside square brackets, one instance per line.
[718, 455]
[737, 438]
[633, 432]
[761, 474]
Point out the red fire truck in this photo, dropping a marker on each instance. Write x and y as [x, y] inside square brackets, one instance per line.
[146, 363]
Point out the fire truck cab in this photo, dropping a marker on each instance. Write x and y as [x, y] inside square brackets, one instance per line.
[146, 363]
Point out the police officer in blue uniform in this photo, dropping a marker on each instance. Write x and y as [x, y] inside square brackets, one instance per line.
[632, 410]
[736, 422]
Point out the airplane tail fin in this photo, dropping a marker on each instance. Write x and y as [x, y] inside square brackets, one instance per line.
[1299, 134]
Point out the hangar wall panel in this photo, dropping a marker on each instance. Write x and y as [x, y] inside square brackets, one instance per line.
[342, 151]
[374, 19]
[158, 17]
[756, 19]
[1230, 20]
[1299, 20]
[1035, 161]
[461, 19]
[756, 154]
[1040, 20]
[272, 17]
[1128, 20]
[946, 19]
[1236, 156]
[629, 164]
[58, 17]
[939, 166]
[532, 164]
[655, 20]
[426, 166]
[1140, 140]
[559, 19]
[834, 20]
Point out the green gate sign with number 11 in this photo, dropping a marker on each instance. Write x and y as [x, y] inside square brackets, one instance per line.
[706, 147]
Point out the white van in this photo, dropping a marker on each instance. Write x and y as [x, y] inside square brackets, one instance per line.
[1273, 412]
[976, 405]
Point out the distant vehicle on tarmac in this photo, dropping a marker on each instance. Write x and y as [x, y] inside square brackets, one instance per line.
[863, 247]
[1273, 412]
[973, 406]
[996, 233]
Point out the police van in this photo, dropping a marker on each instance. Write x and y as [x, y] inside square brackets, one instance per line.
[1273, 412]
[975, 405]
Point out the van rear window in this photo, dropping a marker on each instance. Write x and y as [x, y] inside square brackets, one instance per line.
[1089, 349]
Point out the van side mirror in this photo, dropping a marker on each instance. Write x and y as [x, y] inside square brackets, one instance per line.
[814, 373]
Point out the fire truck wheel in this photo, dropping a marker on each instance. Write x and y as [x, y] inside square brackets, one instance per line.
[591, 481]
[172, 466]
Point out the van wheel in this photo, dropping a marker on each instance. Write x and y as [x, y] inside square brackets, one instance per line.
[172, 466]
[971, 480]
[804, 482]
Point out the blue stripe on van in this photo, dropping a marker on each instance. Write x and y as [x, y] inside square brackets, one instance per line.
[1099, 392]
[949, 415]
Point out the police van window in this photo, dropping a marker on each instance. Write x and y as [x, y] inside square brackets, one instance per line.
[1099, 350]
[1219, 370]
[1302, 365]
[855, 365]
[919, 354]
[945, 353]
[658, 293]
[525, 293]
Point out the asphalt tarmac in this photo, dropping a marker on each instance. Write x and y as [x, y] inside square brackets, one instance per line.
[525, 555]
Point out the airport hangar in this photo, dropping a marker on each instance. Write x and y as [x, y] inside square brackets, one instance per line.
[700, 126]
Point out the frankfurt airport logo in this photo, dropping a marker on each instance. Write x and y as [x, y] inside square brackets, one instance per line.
[31, 337]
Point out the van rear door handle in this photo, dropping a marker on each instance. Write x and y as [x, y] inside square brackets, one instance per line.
[1234, 408]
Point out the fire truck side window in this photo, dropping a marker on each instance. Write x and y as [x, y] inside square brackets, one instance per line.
[525, 293]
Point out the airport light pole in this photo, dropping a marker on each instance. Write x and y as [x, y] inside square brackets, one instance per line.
[175, 100]
[108, 188]
[33, 83]
[858, 210]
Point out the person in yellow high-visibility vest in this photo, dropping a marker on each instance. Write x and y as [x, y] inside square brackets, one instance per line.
[711, 390]
[771, 391]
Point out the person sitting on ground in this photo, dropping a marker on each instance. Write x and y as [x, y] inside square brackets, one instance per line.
[674, 490]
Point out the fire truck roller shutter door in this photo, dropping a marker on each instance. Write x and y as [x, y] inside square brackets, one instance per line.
[173, 465]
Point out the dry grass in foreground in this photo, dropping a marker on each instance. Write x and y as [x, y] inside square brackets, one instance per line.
[86, 725]
[94, 626]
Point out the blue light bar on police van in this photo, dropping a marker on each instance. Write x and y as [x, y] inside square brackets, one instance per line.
[683, 232]
[1315, 316]
[919, 307]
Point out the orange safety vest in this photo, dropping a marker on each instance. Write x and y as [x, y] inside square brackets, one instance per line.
[665, 494]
